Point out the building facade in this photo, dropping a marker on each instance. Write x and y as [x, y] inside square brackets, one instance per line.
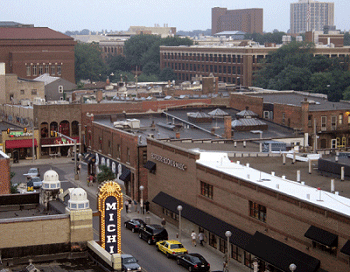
[29, 52]
[310, 15]
[268, 221]
[230, 64]
[246, 20]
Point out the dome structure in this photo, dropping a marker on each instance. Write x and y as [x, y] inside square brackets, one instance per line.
[51, 180]
[78, 199]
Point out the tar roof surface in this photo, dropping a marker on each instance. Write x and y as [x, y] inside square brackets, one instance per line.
[317, 103]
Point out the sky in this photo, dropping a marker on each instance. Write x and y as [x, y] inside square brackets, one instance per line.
[118, 15]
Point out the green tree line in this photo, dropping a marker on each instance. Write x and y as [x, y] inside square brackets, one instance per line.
[141, 53]
[294, 67]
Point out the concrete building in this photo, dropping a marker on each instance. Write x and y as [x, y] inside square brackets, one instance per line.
[162, 31]
[310, 15]
[277, 220]
[231, 64]
[246, 20]
[29, 52]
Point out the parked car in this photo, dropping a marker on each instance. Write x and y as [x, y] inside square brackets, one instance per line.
[193, 262]
[171, 248]
[37, 182]
[33, 172]
[134, 224]
[153, 233]
[129, 263]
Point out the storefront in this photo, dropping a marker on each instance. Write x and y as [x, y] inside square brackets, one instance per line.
[19, 145]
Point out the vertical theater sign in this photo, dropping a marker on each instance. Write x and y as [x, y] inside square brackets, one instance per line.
[110, 204]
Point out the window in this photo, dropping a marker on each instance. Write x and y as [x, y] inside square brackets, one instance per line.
[323, 123]
[234, 253]
[207, 190]
[283, 118]
[34, 70]
[340, 119]
[28, 70]
[144, 156]
[212, 240]
[41, 69]
[22, 91]
[127, 154]
[60, 89]
[330, 250]
[53, 70]
[257, 211]
[47, 69]
[334, 122]
[171, 214]
[34, 92]
[222, 245]
[118, 151]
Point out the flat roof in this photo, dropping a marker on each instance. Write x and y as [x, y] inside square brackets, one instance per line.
[219, 161]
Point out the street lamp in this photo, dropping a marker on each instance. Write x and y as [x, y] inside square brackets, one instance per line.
[228, 235]
[141, 201]
[179, 208]
[292, 267]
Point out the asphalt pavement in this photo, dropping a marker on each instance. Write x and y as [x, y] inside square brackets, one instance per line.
[213, 256]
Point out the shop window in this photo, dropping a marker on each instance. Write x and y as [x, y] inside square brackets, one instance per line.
[235, 253]
[222, 245]
[257, 211]
[171, 214]
[207, 190]
[248, 259]
[212, 240]
[328, 249]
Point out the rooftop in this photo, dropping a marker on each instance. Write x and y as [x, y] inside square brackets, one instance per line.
[31, 33]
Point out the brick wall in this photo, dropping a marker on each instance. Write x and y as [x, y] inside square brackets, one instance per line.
[288, 115]
[5, 181]
[240, 102]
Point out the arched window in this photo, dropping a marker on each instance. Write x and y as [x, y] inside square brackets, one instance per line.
[53, 128]
[75, 128]
[64, 128]
[44, 130]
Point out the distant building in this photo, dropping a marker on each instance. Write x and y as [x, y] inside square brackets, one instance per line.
[247, 20]
[30, 51]
[310, 15]
[163, 31]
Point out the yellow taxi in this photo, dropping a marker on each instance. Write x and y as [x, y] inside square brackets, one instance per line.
[171, 248]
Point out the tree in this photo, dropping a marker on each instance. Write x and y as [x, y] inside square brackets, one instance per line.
[117, 62]
[105, 174]
[151, 68]
[167, 74]
[88, 62]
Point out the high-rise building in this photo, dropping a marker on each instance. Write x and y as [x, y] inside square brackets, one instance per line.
[247, 20]
[310, 15]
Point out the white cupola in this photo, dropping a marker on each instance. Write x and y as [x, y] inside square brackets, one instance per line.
[78, 199]
[51, 181]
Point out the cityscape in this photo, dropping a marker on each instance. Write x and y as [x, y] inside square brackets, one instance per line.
[216, 141]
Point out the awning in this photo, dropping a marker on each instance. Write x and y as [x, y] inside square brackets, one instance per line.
[125, 176]
[212, 224]
[90, 158]
[281, 255]
[151, 166]
[322, 236]
[346, 248]
[20, 143]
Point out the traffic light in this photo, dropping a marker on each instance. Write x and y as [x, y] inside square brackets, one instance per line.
[25, 130]
[8, 130]
[56, 134]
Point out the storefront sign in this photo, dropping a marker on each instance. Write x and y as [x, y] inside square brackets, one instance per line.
[110, 204]
[168, 161]
[20, 134]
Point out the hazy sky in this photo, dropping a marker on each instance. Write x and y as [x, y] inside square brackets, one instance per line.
[96, 15]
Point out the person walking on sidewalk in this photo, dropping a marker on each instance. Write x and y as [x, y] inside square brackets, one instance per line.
[163, 222]
[201, 237]
[193, 238]
[126, 203]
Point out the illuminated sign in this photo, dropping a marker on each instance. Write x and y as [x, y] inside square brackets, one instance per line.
[168, 161]
[110, 204]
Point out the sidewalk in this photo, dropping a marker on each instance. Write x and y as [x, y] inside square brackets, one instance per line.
[214, 257]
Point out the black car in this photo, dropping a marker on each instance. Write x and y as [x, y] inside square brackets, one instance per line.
[134, 224]
[193, 262]
[129, 263]
[153, 233]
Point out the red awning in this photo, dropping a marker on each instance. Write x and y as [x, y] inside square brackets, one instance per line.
[20, 143]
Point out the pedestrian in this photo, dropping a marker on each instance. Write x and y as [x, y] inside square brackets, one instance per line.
[163, 222]
[193, 238]
[126, 206]
[147, 206]
[78, 168]
[91, 179]
[201, 237]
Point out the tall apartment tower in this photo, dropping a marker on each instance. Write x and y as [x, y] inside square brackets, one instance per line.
[246, 20]
[310, 15]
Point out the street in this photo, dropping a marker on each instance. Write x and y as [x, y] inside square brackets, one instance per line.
[148, 257]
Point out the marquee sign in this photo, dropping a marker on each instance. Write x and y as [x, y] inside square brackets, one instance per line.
[110, 204]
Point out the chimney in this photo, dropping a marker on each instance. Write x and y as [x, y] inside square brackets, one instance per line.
[228, 127]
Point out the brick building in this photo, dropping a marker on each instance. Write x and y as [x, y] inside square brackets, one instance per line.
[274, 219]
[326, 124]
[29, 52]
[230, 64]
[5, 181]
[246, 20]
